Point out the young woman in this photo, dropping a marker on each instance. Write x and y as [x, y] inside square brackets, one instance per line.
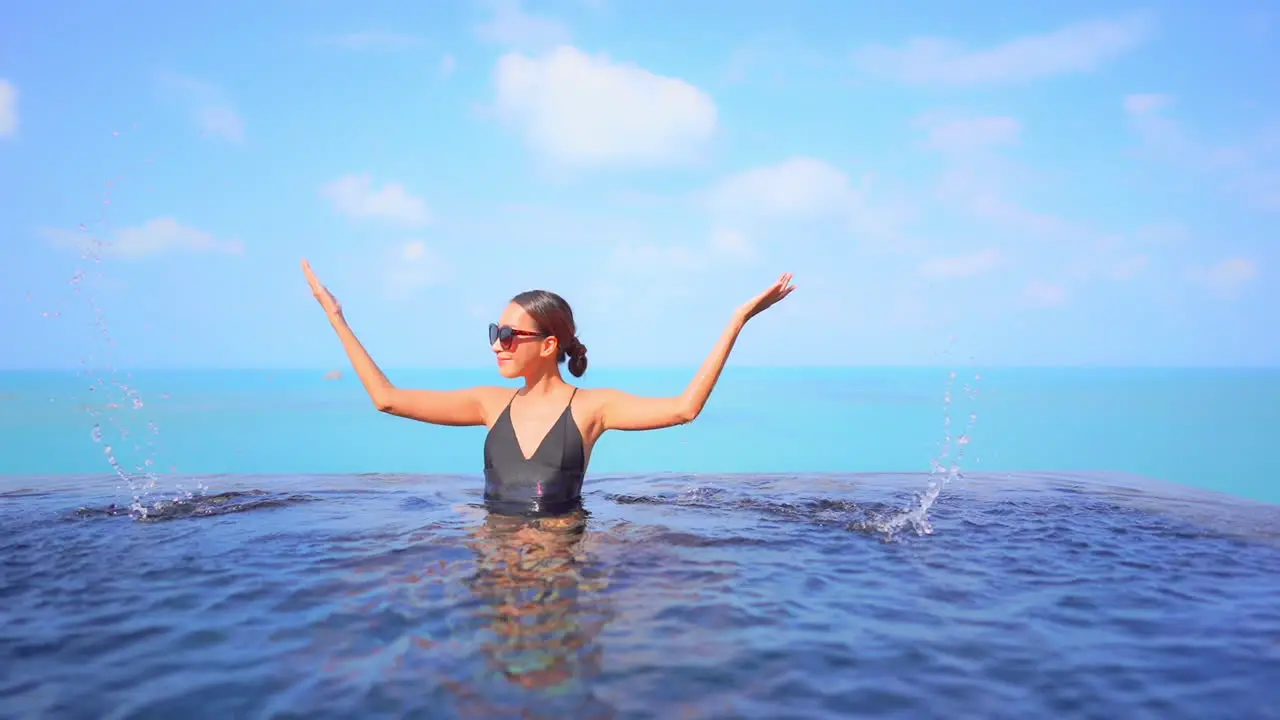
[540, 436]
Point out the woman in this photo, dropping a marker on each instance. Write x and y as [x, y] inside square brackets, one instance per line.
[540, 436]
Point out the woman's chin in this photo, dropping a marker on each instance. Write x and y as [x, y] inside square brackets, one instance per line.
[508, 370]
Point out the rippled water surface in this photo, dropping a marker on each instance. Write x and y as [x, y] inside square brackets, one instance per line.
[685, 596]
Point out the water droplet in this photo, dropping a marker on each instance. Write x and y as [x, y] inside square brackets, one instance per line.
[95, 433]
[137, 404]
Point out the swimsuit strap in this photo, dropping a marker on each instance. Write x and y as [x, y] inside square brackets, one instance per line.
[567, 416]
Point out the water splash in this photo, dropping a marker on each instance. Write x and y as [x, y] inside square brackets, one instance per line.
[113, 395]
[198, 506]
[885, 519]
[943, 468]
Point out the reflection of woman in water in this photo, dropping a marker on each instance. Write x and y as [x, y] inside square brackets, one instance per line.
[540, 605]
[561, 423]
[524, 635]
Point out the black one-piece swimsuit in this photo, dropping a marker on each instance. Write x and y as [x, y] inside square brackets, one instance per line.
[548, 483]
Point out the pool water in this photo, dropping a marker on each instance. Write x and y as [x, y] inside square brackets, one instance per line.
[681, 596]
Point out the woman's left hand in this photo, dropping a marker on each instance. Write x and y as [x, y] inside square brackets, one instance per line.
[768, 298]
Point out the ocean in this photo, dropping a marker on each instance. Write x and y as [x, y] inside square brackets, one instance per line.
[820, 542]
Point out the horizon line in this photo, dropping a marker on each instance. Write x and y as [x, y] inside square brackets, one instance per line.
[693, 366]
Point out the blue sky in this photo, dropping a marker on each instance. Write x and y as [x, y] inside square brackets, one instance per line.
[1096, 183]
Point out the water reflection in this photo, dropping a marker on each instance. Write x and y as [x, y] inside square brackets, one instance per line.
[539, 605]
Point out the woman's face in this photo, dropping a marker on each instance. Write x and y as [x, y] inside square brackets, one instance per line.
[523, 350]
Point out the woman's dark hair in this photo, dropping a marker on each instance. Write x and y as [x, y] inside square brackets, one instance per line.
[554, 317]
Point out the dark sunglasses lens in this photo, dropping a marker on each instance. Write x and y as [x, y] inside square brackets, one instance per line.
[502, 335]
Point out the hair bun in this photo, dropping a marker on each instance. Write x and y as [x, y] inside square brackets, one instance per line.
[577, 355]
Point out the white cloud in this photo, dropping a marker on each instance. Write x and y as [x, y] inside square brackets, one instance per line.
[962, 265]
[1045, 294]
[212, 110]
[413, 266]
[1246, 167]
[799, 188]
[791, 201]
[977, 178]
[447, 65]
[1080, 47]
[1117, 256]
[1228, 277]
[589, 111]
[373, 40]
[510, 26]
[8, 108]
[964, 135]
[356, 196]
[154, 237]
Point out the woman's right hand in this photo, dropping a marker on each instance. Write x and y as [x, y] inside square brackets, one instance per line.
[331, 306]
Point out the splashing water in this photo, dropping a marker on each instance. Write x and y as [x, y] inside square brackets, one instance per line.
[944, 467]
[115, 397]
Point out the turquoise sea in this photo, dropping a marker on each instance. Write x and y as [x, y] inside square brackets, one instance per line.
[1200, 427]
[922, 542]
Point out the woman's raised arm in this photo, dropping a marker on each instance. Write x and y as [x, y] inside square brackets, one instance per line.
[439, 407]
[623, 411]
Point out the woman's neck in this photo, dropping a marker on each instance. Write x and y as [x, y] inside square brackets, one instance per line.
[544, 384]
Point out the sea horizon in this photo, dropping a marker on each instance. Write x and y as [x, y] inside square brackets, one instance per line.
[1195, 427]
[731, 365]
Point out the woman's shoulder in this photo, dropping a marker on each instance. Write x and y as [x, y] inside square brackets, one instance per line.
[592, 395]
[594, 400]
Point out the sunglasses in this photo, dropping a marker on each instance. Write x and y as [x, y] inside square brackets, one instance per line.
[505, 335]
